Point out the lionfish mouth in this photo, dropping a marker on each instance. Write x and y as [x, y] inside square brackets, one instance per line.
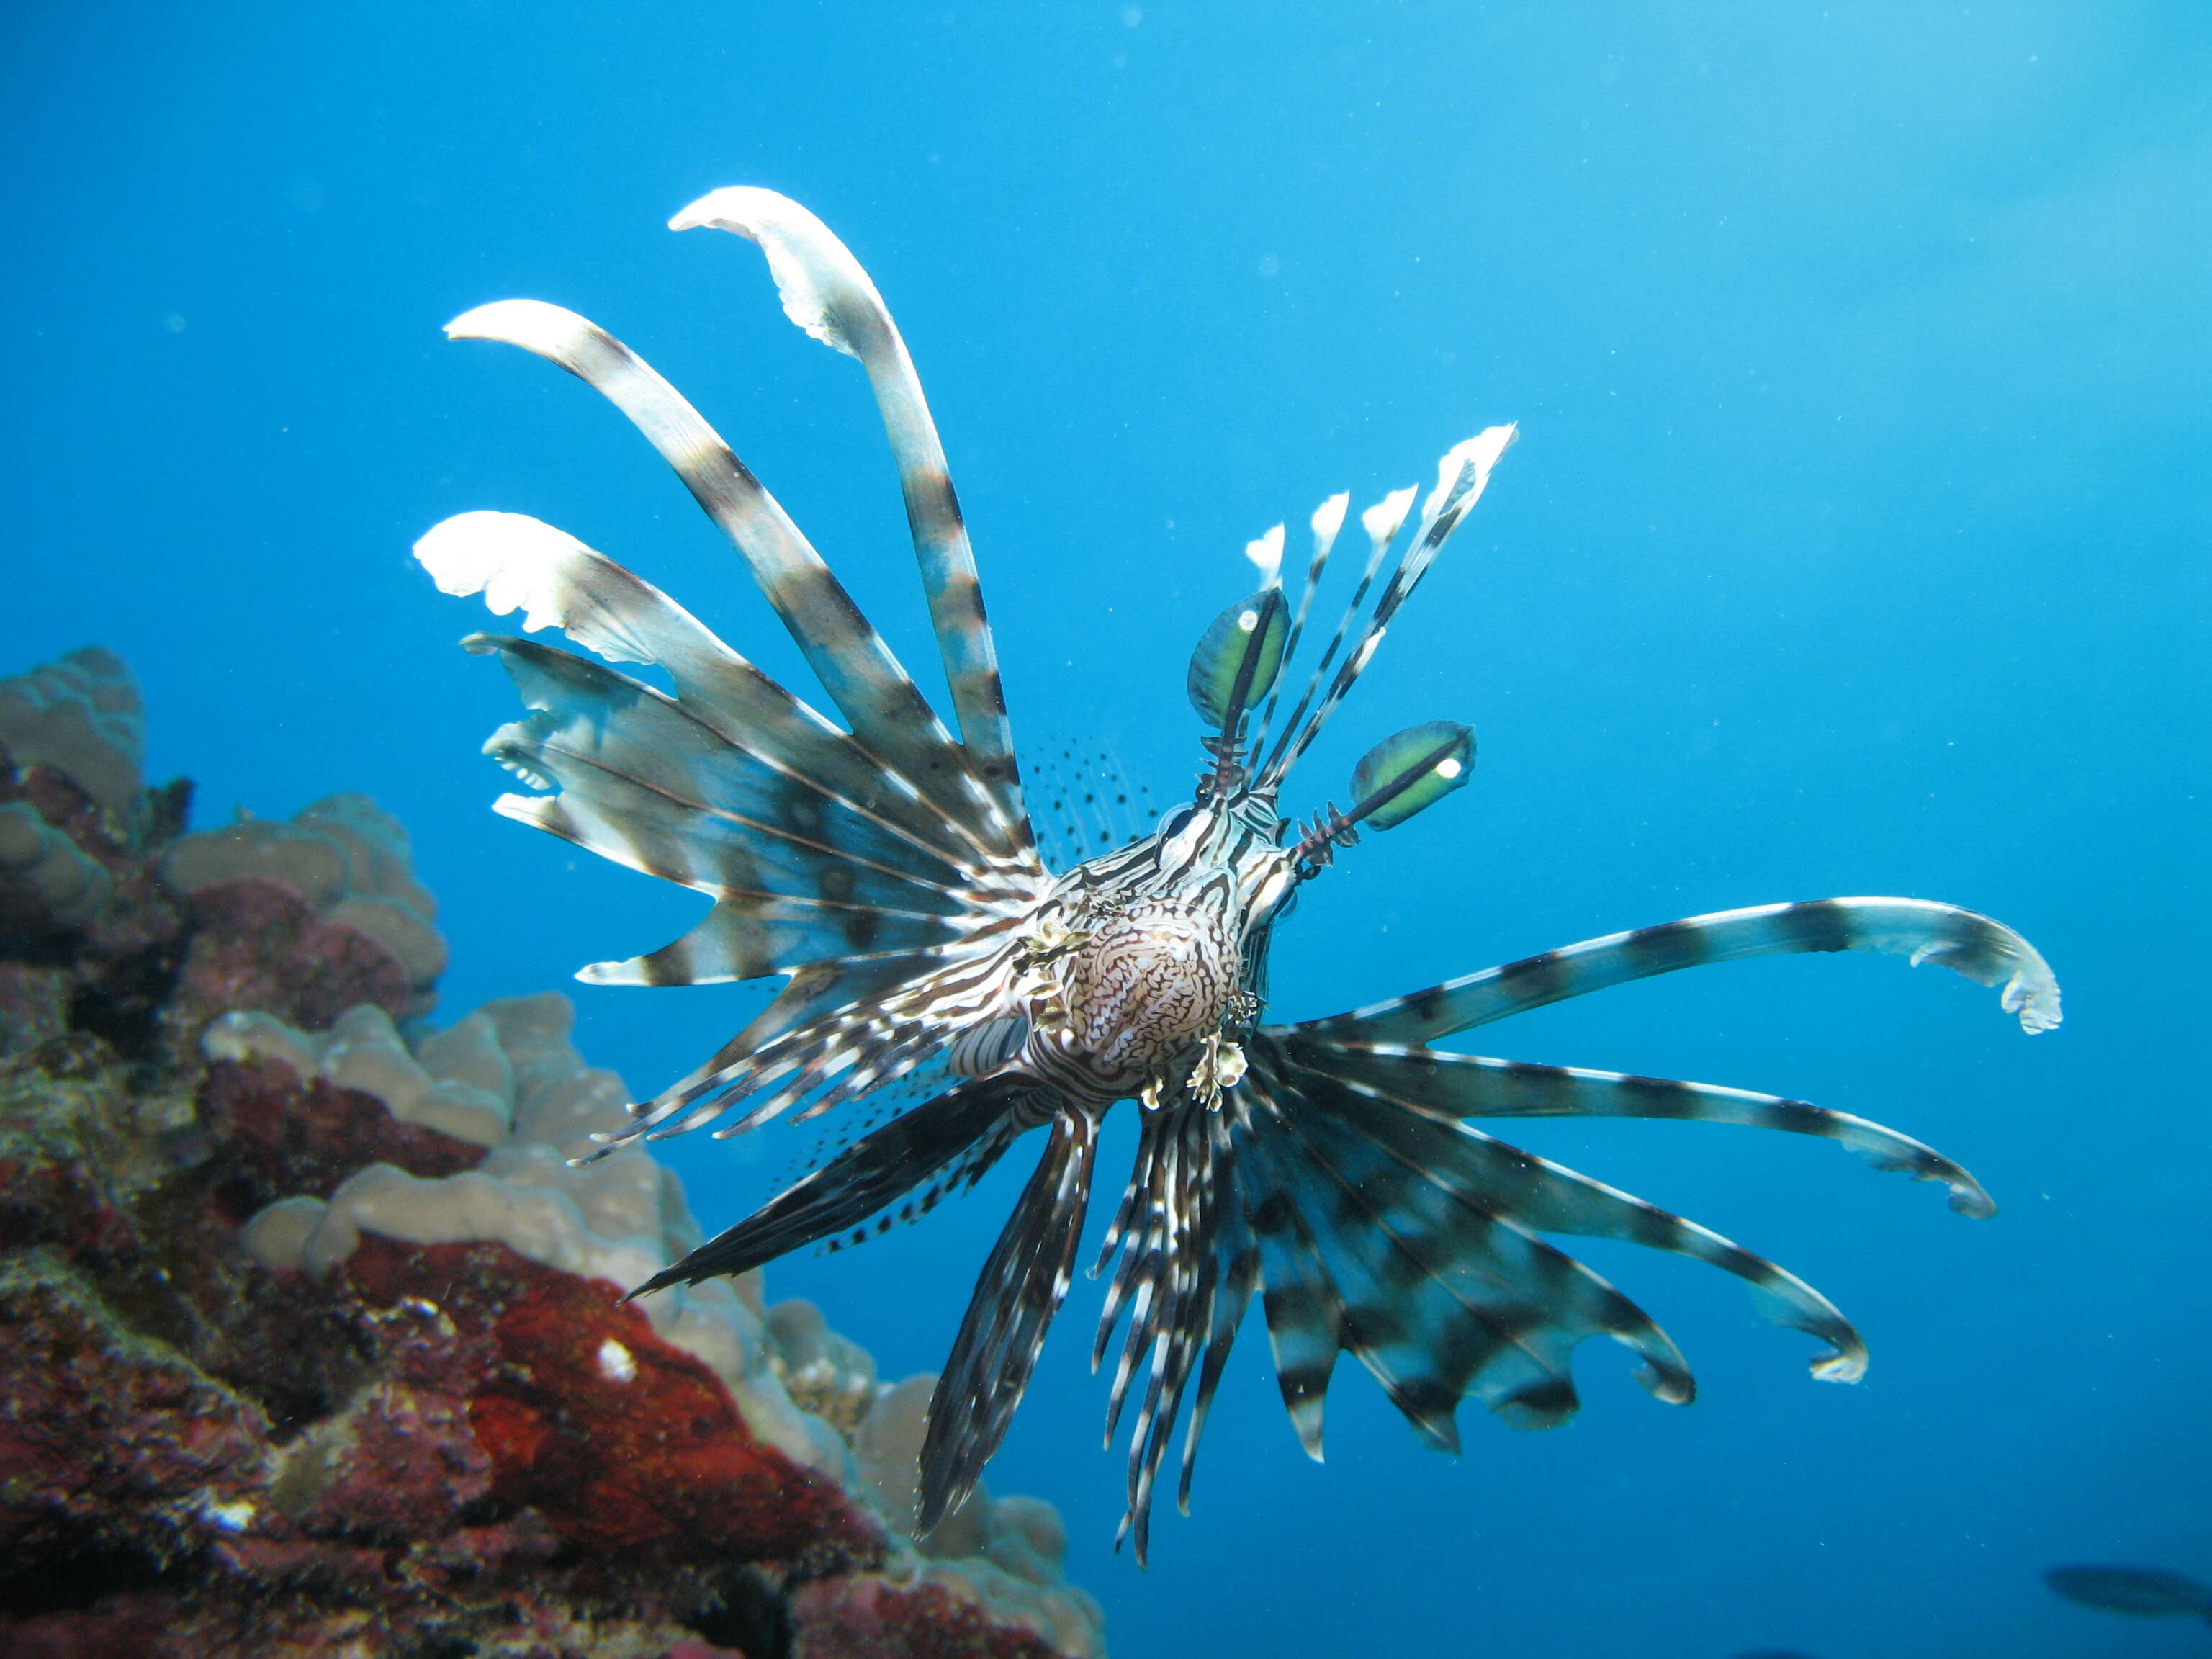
[885, 865]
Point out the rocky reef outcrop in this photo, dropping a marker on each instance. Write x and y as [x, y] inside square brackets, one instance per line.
[312, 1339]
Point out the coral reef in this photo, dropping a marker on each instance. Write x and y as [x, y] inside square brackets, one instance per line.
[312, 1339]
[347, 861]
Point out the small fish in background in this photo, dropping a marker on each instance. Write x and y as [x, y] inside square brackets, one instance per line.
[2147, 1592]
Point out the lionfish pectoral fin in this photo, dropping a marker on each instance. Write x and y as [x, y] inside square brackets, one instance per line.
[874, 1171]
[520, 563]
[1391, 1124]
[1472, 1085]
[1425, 1273]
[1019, 1289]
[1424, 1267]
[1982, 950]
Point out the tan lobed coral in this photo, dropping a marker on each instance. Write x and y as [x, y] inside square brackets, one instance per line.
[311, 1341]
[799, 1386]
[81, 715]
[347, 858]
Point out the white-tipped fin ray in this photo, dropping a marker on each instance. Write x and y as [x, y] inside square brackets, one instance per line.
[1266, 555]
[868, 684]
[825, 292]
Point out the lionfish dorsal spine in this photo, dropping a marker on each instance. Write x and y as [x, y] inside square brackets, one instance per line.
[1328, 521]
[826, 292]
[1381, 522]
[878, 699]
[1463, 475]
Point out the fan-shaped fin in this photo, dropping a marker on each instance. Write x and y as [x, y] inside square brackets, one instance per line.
[1341, 1186]
[518, 562]
[1469, 1085]
[1986, 952]
[877, 698]
[1483, 1176]
[645, 785]
[825, 291]
[1445, 1290]
[1305, 1313]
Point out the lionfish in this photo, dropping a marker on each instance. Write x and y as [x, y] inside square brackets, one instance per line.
[887, 868]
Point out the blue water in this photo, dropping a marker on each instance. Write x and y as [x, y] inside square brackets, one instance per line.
[1856, 544]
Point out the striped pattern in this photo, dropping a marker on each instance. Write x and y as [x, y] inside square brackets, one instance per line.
[1327, 522]
[825, 292]
[875, 694]
[874, 1173]
[519, 563]
[1019, 1289]
[1467, 1085]
[890, 874]
[1986, 952]
[881, 869]
[1382, 522]
[1185, 1268]
[1462, 476]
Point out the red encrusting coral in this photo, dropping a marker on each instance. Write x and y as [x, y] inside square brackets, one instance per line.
[101, 1435]
[257, 944]
[630, 1448]
[871, 1618]
[289, 1137]
[207, 1452]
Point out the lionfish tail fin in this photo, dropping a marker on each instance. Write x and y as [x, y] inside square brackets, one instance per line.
[1016, 1294]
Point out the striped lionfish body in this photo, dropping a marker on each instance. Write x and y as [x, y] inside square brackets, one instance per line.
[886, 868]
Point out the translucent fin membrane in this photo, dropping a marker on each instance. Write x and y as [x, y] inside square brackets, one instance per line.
[1238, 659]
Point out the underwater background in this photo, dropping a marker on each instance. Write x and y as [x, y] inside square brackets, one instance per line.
[1855, 543]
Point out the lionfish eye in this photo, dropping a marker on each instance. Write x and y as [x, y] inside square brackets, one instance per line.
[1238, 657]
[1416, 768]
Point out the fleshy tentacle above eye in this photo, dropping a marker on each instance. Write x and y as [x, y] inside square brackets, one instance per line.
[825, 291]
[1982, 950]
